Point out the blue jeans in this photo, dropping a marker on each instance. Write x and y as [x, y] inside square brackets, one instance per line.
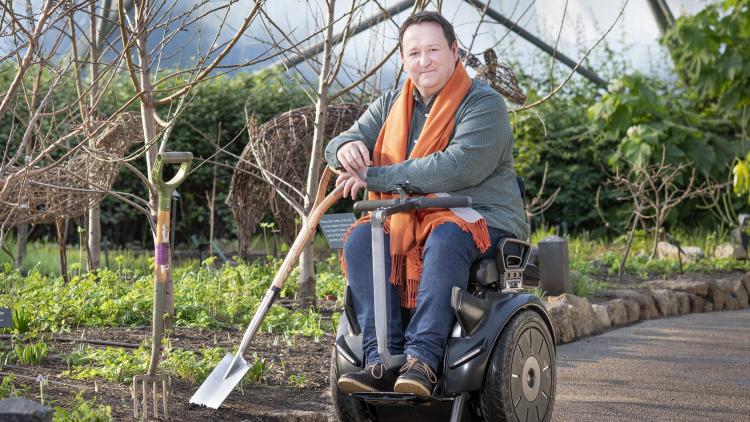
[448, 255]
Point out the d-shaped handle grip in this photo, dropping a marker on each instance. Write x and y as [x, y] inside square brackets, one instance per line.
[184, 159]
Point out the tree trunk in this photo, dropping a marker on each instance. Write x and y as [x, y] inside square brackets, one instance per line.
[148, 112]
[94, 213]
[22, 232]
[61, 227]
[307, 282]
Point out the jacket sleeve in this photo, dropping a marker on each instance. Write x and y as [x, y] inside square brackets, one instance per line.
[482, 138]
[365, 129]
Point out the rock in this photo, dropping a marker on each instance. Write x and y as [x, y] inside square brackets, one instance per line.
[633, 310]
[728, 294]
[670, 251]
[601, 317]
[720, 294]
[746, 282]
[697, 303]
[693, 252]
[708, 307]
[643, 297]
[18, 409]
[696, 287]
[561, 321]
[582, 314]
[725, 250]
[683, 302]
[740, 294]
[666, 250]
[666, 301]
[728, 250]
[617, 312]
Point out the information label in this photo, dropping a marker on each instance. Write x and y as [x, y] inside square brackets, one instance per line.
[334, 226]
[6, 320]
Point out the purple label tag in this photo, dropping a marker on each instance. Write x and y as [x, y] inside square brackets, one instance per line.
[162, 253]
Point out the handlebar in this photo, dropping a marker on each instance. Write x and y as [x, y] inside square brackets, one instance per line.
[419, 202]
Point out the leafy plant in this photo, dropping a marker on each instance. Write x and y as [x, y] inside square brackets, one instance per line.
[111, 363]
[584, 286]
[297, 380]
[21, 320]
[83, 411]
[7, 388]
[31, 353]
[258, 370]
[189, 366]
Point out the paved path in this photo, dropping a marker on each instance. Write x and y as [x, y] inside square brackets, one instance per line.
[689, 368]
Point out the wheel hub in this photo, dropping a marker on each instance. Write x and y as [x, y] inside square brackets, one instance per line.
[531, 377]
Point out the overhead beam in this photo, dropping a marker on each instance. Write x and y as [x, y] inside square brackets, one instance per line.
[362, 26]
[557, 55]
[662, 14]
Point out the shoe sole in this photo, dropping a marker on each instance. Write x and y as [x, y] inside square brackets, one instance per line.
[350, 386]
[414, 387]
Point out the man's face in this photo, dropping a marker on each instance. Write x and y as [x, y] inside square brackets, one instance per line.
[428, 59]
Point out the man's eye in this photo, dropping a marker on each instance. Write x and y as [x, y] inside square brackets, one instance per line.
[413, 53]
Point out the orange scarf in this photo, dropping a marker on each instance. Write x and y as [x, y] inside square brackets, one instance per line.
[409, 231]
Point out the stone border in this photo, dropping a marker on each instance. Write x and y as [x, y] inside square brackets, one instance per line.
[575, 317]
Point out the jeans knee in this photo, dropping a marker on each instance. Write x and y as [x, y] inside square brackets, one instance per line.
[357, 245]
[448, 239]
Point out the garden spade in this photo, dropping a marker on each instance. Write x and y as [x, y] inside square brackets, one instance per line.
[159, 384]
[232, 368]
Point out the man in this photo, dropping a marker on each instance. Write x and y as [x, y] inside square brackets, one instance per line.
[442, 132]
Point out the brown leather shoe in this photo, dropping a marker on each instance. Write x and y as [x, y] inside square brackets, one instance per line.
[416, 377]
[374, 378]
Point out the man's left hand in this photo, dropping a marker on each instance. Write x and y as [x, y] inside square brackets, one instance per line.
[352, 183]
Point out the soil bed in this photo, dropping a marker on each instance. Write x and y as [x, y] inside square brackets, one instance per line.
[268, 400]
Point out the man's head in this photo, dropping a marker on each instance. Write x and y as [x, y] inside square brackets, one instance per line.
[429, 51]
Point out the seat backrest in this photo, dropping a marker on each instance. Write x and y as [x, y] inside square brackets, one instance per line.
[521, 186]
[503, 270]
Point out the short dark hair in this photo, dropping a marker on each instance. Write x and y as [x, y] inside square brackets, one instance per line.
[422, 17]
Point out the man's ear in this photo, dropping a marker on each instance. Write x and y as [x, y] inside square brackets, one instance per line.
[454, 49]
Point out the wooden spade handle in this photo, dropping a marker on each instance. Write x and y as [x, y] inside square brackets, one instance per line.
[321, 205]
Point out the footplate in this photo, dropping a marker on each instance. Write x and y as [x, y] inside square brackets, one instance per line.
[392, 399]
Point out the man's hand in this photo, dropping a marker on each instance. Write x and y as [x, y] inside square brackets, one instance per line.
[354, 157]
[352, 184]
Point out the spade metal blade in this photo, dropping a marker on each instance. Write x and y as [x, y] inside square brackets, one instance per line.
[216, 388]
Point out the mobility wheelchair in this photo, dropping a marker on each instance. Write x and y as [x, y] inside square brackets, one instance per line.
[499, 363]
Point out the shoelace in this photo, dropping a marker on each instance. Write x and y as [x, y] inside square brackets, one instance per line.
[419, 366]
[379, 368]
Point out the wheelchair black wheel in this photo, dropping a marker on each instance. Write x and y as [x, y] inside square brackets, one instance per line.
[519, 383]
[346, 407]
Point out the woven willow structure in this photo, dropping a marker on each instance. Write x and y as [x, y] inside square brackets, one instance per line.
[497, 75]
[282, 147]
[48, 194]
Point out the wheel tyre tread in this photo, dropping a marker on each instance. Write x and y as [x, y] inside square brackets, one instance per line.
[495, 401]
[346, 407]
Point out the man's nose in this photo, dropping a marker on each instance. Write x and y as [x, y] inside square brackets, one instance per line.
[424, 59]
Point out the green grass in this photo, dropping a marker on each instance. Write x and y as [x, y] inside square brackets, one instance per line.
[45, 258]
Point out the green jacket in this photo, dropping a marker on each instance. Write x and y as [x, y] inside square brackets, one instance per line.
[478, 161]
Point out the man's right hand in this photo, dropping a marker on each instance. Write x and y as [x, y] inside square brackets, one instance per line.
[354, 157]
